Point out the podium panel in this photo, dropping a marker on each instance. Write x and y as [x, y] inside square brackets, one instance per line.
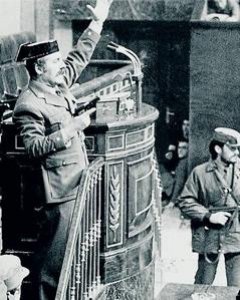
[128, 235]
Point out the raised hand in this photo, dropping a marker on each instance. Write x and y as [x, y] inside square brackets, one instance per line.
[101, 10]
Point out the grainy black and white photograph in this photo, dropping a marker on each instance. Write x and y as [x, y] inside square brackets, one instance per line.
[119, 149]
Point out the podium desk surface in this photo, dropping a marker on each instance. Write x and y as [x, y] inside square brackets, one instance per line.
[177, 291]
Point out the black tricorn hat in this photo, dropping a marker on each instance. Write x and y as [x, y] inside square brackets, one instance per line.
[36, 50]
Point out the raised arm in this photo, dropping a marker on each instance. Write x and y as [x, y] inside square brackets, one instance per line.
[80, 56]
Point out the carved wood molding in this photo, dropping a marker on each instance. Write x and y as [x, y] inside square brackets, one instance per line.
[114, 203]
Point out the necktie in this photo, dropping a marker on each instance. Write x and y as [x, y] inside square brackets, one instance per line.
[69, 101]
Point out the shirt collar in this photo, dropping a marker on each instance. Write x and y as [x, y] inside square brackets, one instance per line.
[215, 165]
[40, 89]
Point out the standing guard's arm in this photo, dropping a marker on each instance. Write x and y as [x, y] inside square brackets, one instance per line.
[189, 200]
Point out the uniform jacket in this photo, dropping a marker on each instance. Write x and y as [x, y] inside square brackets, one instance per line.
[201, 191]
[40, 114]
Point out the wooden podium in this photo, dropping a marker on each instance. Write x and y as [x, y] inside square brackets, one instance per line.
[126, 142]
[127, 239]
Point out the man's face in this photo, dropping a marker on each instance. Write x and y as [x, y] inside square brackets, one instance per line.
[185, 128]
[53, 69]
[182, 149]
[229, 153]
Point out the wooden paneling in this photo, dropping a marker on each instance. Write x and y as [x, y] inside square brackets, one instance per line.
[164, 49]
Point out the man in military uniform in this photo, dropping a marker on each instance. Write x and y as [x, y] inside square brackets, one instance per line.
[52, 136]
[211, 198]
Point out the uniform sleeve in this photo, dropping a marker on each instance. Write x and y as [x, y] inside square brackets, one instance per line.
[80, 56]
[190, 199]
[30, 125]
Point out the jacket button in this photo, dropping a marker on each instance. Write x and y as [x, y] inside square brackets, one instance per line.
[64, 163]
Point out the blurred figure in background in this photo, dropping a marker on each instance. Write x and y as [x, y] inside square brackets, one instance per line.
[167, 170]
[223, 10]
[174, 169]
[12, 274]
[181, 171]
[185, 129]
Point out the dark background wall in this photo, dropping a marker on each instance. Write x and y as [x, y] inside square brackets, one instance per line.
[163, 48]
[158, 31]
[170, 10]
[214, 83]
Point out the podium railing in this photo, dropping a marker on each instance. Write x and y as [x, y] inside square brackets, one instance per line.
[80, 274]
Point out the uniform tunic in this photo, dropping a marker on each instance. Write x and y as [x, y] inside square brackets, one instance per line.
[207, 188]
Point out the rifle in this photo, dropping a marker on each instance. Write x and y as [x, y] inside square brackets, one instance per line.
[84, 106]
[223, 229]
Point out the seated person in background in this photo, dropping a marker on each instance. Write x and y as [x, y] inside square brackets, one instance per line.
[12, 274]
[167, 170]
[223, 10]
[181, 172]
[185, 129]
[171, 158]
[171, 177]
